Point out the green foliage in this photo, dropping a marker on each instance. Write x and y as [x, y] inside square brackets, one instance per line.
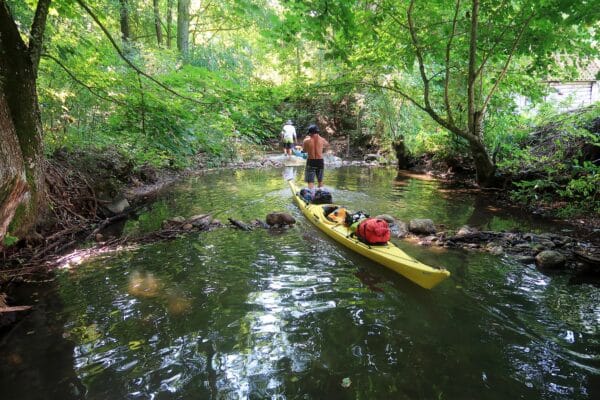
[253, 64]
[534, 190]
[386, 118]
[554, 155]
[583, 191]
[91, 98]
[457, 63]
[9, 240]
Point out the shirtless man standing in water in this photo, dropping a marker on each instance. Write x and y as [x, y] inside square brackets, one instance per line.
[313, 145]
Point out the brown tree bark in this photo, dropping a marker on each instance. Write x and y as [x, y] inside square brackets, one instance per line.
[36, 35]
[401, 153]
[169, 22]
[13, 185]
[473, 131]
[22, 197]
[183, 26]
[484, 166]
[124, 21]
[159, 37]
[483, 163]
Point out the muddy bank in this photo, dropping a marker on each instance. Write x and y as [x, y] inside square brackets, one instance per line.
[86, 192]
[586, 225]
[91, 196]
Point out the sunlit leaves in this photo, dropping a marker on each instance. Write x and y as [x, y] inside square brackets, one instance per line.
[91, 97]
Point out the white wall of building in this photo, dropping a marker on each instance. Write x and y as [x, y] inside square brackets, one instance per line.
[573, 95]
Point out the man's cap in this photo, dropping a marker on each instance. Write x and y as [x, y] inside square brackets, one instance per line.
[289, 122]
[313, 129]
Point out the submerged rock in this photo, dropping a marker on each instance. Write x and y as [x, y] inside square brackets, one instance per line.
[143, 284]
[259, 224]
[423, 226]
[465, 230]
[400, 229]
[387, 218]
[495, 250]
[525, 259]
[280, 219]
[201, 221]
[118, 206]
[427, 241]
[550, 259]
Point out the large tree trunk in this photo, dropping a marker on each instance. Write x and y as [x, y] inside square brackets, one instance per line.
[484, 165]
[21, 162]
[124, 20]
[183, 26]
[13, 185]
[169, 22]
[157, 22]
[401, 153]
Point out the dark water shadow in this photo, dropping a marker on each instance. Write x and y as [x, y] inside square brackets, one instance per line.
[42, 368]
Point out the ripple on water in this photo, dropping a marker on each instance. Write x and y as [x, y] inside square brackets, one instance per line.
[290, 314]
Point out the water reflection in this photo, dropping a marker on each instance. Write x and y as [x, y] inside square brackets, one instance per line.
[178, 303]
[143, 284]
[231, 314]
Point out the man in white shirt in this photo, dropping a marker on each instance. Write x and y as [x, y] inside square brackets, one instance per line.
[288, 137]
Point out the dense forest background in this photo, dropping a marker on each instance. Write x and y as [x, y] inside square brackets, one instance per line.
[182, 83]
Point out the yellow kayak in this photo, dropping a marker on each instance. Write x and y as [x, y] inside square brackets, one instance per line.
[388, 255]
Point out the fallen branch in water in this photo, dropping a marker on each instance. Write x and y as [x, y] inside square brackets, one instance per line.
[108, 221]
[14, 309]
[4, 308]
[239, 224]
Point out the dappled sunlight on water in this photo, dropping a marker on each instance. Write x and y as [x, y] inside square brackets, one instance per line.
[143, 284]
[178, 303]
[290, 314]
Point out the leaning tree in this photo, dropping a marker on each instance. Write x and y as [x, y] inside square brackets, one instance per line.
[451, 59]
[21, 152]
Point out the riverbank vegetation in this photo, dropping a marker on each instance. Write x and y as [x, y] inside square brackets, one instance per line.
[185, 84]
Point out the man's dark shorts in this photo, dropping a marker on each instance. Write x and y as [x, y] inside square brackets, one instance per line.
[314, 168]
[288, 145]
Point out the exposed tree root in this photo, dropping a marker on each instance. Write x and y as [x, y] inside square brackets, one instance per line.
[76, 214]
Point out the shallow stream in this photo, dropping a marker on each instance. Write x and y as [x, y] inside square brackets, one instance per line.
[290, 314]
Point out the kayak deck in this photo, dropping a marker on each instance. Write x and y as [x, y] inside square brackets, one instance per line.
[388, 255]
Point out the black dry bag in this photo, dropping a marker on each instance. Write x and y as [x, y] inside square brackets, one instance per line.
[322, 196]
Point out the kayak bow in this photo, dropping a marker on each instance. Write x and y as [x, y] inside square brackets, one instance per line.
[387, 255]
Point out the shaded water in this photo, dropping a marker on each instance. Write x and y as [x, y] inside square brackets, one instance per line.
[291, 314]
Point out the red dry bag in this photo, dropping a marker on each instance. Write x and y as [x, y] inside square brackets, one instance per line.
[373, 231]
